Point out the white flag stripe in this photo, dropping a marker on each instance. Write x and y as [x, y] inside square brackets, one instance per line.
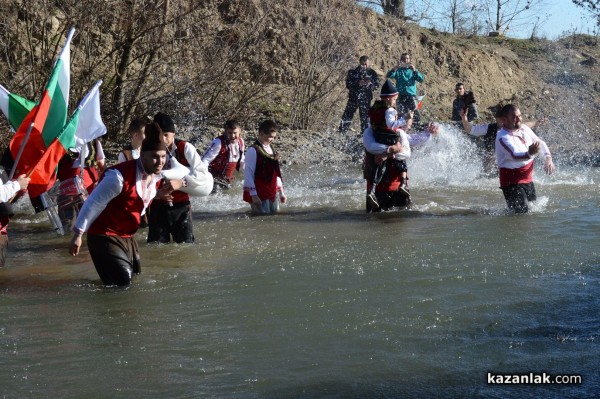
[4, 101]
[90, 125]
[64, 77]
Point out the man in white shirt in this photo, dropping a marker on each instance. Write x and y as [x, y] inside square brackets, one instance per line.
[516, 147]
[112, 213]
[225, 155]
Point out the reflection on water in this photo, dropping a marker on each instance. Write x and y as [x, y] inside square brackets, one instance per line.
[322, 300]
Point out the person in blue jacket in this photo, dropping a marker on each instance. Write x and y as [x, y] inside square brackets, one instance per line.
[406, 77]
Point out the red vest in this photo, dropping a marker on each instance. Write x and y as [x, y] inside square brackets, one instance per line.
[390, 182]
[381, 132]
[90, 171]
[377, 115]
[220, 166]
[510, 177]
[121, 217]
[265, 175]
[179, 196]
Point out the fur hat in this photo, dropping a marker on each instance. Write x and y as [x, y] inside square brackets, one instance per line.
[154, 140]
[165, 122]
[388, 89]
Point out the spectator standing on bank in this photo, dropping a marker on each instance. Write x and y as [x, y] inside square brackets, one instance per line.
[361, 82]
[464, 100]
[406, 77]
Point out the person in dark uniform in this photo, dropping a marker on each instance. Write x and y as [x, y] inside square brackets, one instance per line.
[464, 100]
[361, 82]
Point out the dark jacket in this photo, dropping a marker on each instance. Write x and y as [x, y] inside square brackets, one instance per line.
[357, 74]
[458, 104]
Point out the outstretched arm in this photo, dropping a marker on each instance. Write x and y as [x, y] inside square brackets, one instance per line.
[465, 121]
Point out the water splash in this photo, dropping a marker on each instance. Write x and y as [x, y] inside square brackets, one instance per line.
[449, 160]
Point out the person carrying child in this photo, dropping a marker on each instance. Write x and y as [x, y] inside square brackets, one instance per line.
[387, 192]
[387, 129]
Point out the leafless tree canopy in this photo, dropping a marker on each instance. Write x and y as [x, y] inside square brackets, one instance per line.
[593, 6]
[197, 59]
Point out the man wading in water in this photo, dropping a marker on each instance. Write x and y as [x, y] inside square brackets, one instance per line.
[111, 215]
[516, 147]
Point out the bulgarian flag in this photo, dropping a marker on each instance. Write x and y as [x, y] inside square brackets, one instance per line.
[46, 119]
[84, 125]
[14, 107]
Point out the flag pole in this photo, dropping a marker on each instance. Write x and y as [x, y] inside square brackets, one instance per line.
[26, 138]
[18, 158]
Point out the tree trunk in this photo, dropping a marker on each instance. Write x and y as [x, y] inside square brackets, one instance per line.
[394, 8]
[498, 15]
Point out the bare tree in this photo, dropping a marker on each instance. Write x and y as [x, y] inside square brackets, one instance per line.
[504, 15]
[455, 16]
[129, 44]
[593, 6]
[324, 50]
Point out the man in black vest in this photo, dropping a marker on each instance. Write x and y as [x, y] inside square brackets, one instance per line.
[171, 212]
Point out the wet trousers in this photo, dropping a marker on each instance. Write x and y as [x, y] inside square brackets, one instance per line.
[116, 258]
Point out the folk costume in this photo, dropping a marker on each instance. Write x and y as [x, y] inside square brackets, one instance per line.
[223, 159]
[111, 216]
[168, 219]
[70, 165]
[262, 177]
[386, 129]
[7, 191]
[128, 153]
[386, 192]
[515, 166]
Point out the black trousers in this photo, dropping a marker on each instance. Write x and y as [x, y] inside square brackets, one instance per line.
[517, 195]
[3, 247]
[116, 258]
[165, 221]
[404, 104]
[362, 102]
[390, 199]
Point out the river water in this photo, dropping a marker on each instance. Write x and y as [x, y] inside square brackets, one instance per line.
[323, 300]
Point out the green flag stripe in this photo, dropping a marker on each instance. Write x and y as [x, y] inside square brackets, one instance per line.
[18, 108]
[67, 136]
[57, 114]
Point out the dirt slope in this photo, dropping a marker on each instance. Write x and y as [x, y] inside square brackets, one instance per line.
[558, 80]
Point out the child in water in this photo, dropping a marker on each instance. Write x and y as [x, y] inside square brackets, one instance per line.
[387, 129]
[262, 174]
